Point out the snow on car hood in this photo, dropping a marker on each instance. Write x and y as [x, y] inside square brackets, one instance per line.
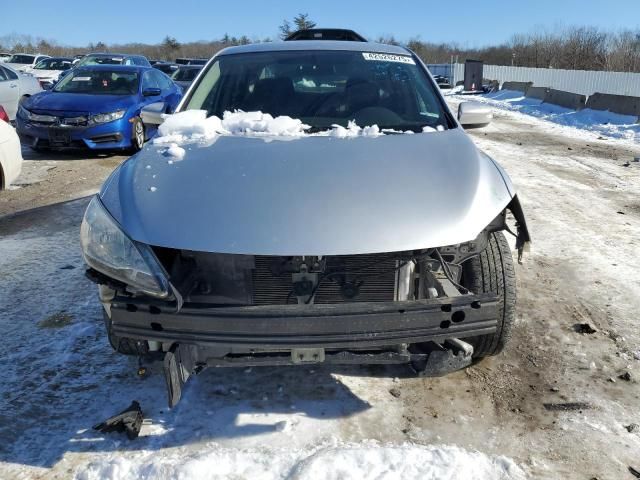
[308, 195]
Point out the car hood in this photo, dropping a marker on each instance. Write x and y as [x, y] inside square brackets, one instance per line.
[309, 196]
[46, 102]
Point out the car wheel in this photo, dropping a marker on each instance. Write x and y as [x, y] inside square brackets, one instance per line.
[126, 346]
[493, 272]
[137, 135]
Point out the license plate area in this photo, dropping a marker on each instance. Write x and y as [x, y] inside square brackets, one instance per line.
[307, 355]
[59, 136]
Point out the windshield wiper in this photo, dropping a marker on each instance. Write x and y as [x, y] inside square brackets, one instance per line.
[317, 129]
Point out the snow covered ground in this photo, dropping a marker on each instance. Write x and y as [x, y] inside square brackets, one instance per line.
[608, 124]
[60, 376]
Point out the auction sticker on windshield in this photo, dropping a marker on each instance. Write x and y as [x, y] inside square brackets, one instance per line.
[386, 57]
[81, 79]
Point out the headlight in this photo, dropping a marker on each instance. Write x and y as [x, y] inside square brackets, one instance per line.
[34, 117]
[108, 250]
[107, 117]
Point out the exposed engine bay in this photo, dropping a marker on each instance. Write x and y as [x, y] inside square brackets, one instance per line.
[227, 279]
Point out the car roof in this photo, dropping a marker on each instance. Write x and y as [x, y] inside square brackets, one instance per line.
[60, 58]
[317, 45]
[112, 55]
[117, 68]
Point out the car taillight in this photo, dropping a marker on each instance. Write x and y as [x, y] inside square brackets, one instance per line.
[3, 114]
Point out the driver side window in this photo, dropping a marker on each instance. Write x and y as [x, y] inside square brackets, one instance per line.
[6, 74]
[149, 81]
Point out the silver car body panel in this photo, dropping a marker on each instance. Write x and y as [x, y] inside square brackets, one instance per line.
[312, 195]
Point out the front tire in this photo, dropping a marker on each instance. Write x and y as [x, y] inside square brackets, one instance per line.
[137, 135]
[492, 271]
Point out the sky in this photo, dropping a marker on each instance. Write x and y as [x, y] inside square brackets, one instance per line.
[470, 23]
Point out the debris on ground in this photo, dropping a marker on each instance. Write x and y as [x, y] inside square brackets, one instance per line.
[128, 421]
[626, 376]
[633, 428]
[395, 392]
[567, 406]
[584, 328]
[554, 389]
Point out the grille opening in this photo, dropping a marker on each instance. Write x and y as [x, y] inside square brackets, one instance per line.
[231, 279]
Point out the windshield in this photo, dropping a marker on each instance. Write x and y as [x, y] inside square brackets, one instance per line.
[53, 64]
[101, 82]
[100, 60]
[23, 59]
[323, 88]
[185, 74]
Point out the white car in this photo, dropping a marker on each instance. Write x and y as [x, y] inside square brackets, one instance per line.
[23, 61]
[15, 86]
[10, 155]
[48, 70]
[4, 56]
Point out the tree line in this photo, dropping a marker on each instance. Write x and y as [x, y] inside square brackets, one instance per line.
[574, 48]
[571, 48]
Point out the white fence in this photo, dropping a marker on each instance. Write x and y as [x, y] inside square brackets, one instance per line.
[585, 82]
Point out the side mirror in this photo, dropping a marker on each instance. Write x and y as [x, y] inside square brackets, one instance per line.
[153, 114]
[474, 115]
[151, 92]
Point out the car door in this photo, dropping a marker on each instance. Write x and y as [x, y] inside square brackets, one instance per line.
[9, 91]
[171, 94]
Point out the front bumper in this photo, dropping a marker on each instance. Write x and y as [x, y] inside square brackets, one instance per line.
[284, 327]
[111, 135]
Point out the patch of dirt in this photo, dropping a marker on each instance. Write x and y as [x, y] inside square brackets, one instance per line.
[56, 320]
[54, 177]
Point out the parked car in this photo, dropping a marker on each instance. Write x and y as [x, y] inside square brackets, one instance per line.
[108, 59]
[256, 251]
[48, 70]
[186, 74]
[96, 107]
[165, 67]
[443, 82]
[113, 59]
[14, 88]
[10, 155]
[191, 61]
[4, 56]
[23, 61]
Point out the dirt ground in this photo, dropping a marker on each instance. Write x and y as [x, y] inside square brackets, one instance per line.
[52, 177]
[558, 402]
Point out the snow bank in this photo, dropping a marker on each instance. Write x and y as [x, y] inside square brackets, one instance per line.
[604, 123]
[368, 460]
[195, 126]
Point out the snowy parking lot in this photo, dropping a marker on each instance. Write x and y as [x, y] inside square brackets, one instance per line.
[558, 403]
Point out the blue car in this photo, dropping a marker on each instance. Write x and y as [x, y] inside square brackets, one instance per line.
[96, 107]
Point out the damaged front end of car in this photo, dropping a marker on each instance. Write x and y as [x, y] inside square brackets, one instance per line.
[196, 310]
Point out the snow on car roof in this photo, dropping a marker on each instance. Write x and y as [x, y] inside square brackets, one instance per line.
[317, 45]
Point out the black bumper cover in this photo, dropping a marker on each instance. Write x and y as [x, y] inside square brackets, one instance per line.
[282, 327]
